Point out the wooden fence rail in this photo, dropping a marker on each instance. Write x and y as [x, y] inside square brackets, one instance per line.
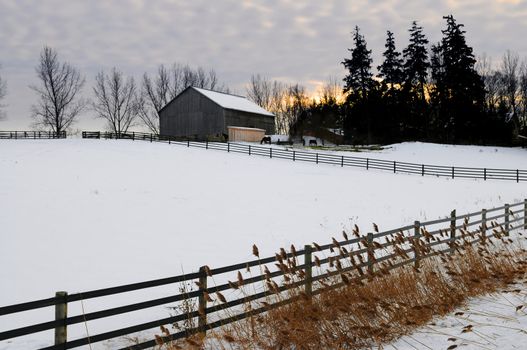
[21, 135]
[517, 175]
[370, 252]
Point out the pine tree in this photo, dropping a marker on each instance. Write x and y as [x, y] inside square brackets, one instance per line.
[391, 69]
[415, 69]
[359, 80]
[416, 61]
[359, 119]
[459, 91]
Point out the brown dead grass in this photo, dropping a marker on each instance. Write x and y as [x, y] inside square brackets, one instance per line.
[372, 311]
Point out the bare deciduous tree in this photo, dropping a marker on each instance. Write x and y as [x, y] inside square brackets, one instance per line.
[3, 93]
[116, 100]
[493, 82]
[510, 84]
[285, 102]
[331, 91]
[167, 83]
[260, 91]
[58, 93]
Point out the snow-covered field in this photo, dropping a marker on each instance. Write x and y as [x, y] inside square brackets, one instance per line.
[78, 215]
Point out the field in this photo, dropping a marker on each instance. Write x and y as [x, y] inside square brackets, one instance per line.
[86, 214]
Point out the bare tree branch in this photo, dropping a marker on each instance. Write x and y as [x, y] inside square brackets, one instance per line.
[285, 102]
[160, 89]
[60, 85]
[116, 100]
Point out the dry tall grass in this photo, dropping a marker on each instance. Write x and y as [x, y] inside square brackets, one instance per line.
[371, 309]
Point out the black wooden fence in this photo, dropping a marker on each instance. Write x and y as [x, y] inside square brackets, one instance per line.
[325, 158]
[314, 264]
[32, 135]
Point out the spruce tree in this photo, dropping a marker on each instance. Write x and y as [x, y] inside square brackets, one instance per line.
[359, 85]
[416, 61]
[359, 80]
[459, 91]
[415, 70]
[390, 71]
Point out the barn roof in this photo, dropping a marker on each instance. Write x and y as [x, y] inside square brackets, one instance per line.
[227, 101]
[235, 102]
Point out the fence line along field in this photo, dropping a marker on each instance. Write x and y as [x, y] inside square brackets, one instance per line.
[121, 212]
[491, 173]
[297, 269]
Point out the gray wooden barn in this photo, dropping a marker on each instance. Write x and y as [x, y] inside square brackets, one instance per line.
[201, 114]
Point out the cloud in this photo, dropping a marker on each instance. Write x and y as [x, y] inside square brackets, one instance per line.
[296, 40]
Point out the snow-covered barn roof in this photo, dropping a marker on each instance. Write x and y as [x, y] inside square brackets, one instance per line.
[235, 102]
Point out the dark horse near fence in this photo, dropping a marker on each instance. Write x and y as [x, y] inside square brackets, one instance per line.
[266, 139]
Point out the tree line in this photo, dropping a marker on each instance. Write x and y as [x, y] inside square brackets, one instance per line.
[433, 93]
[117, 99]
[436, 94]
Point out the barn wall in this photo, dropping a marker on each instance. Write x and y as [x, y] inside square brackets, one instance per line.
[249, 120]
[192, 114]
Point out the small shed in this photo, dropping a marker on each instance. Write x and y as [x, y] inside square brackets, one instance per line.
[204, 114]
[238, 133]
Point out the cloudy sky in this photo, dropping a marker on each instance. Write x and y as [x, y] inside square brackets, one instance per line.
[289, 40]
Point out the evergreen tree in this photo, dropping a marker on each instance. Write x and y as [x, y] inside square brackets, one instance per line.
[416, 61]
[459, 91]
[390, 71]
[391, 104]
[359, 119]
[415, 70]
[359, 80]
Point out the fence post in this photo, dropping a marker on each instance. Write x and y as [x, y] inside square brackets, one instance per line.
[342, 161]
[206, 144]
[150, 137]
[317, 159]
[367, 163]
[188, 143]
[517, 175]
[452, 230]
[484, 225]
[249, 149]
[507, 215]
[133, 135]
[485, 174]
[452, 172]
[228, 147]
[422, 170]
[270, 153]
[525, 213]
[202, 301]
[309, 269]
[61, 313]
[394, 167]
[417, 236]
[370, 253]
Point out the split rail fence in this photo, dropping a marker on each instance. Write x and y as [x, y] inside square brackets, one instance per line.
[32, 135]
[324, 158]
[314, 264]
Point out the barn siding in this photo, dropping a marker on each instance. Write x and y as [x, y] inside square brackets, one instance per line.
[192, 114]
[249, 120]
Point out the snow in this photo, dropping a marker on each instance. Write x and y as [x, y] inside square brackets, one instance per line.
[79, 215]
[448, 155]
[235, 102]
[497, 324]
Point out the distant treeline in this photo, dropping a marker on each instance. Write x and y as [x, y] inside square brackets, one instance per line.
[433, 93]
[439, 93]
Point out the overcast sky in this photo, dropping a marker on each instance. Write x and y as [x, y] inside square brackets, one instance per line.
[289, 40]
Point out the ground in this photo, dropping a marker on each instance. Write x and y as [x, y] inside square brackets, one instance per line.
[79, 214]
